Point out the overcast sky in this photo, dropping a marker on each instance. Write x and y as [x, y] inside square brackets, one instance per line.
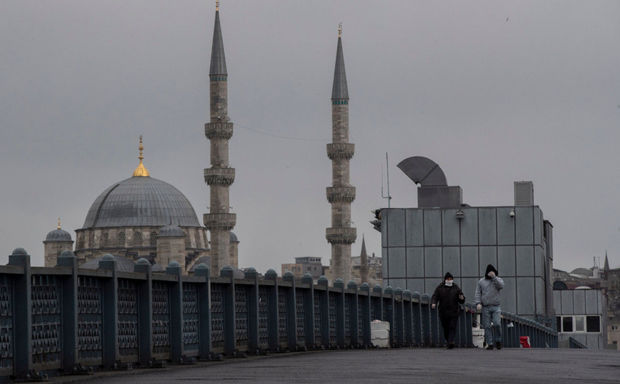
[493, 91]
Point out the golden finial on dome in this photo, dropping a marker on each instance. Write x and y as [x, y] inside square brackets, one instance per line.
[141, 170]
[217, 5]
[58, 226]
[339, 29]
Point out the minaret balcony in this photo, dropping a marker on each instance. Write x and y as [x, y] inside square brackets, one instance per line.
[219, 221]
[219, 176]
[344, 235]
[340, 194]
[340, 151]
[219, 130]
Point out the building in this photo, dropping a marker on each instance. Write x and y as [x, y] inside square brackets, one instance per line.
[419, 245]
[303, 265]
[366, 269]
[341, 193]
[581, 314]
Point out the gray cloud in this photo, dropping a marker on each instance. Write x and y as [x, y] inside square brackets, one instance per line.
[492, 91]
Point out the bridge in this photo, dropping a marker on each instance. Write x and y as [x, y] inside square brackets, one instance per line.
[65, 320]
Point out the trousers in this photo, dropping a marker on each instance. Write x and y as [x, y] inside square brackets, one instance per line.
[448, 324]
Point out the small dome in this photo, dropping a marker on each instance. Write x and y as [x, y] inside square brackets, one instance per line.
[58, 235]
[171, 231]
[233, 238]
[123, 264]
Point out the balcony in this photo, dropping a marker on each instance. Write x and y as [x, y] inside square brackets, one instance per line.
[219, 176]
[219, 130]
[340, 194]
[341, 235]
[219, 221]
[340, 151]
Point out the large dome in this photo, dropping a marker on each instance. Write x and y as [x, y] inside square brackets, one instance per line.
[141, 201]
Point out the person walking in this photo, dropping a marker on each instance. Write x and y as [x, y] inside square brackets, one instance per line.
[487, 300]
[448, 295]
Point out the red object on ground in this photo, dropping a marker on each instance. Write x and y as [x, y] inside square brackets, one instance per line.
[525, 341]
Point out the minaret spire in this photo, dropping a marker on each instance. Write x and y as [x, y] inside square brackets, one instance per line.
[141, 169]
[363, 262]
[219, 221]
[341, 194]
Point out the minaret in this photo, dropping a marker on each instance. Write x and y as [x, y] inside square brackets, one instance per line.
[340, 195]
[363, 263]
[219, 221]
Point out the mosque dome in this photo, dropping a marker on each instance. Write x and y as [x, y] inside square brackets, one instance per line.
[58, 235]
[141, 201]
[171, 231]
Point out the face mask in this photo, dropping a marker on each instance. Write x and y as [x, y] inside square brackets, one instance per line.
[449, 283]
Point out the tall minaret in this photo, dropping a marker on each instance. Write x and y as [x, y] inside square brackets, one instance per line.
[219, 221]
[363, 263]
[340, 195]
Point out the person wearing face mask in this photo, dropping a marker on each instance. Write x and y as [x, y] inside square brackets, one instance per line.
[487, 300]
[448, 295]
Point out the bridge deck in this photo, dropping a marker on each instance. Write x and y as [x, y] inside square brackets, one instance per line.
[397, 366]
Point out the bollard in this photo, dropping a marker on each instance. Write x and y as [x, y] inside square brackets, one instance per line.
[308, 294]
[274, 317]
[364, 308]
[177, 353]
[145, 307]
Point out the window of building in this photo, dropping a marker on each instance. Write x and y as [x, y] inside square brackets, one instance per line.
[593, 324]
[121, 239]
[153, 239]
[580, 324]
[567, 324]
[137, 238]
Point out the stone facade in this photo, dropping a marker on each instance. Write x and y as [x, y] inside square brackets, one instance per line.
[341, 194]
[53, 249]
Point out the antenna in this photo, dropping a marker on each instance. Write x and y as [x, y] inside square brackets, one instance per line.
[387, 170]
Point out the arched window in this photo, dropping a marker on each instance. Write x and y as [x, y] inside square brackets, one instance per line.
[105, 239]
[137, 238]
[153, 239]
[121, 239]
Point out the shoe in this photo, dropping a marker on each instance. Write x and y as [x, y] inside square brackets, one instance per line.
[451, 346]
[498, 345]
[489, 348]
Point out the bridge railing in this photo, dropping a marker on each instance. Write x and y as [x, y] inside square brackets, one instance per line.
[514, 327]
[67, 320]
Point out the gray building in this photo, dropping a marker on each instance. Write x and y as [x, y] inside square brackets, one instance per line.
[419, 245]
[581, 314]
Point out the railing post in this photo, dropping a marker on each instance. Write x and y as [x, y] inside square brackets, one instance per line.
[253, 347]
[274, 318]
[204, 302]
[417, 325]
[436, 328]
[425, 319]
[145, 308]
[339, 287]
[176, 312]
[388, 295]
[469, 336]
[308, 311]
[69, 312]
[230, 342]
[324, 305]
[22, 331]
[291, 312]
[399, 321]
[407, 318]
[364, 307]
[353, 314]
[110, 312]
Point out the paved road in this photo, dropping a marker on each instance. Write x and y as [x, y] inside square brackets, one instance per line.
[397, 366]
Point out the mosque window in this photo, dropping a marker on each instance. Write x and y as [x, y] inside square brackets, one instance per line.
[105, 239]
[121, 238]
[153, 239]
[137, 238]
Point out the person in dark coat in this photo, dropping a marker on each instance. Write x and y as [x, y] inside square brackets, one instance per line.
[448, 296]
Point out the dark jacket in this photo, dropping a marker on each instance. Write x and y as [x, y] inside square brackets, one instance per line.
[448, 299]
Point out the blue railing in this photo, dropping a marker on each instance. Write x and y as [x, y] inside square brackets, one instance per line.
[67, 320]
